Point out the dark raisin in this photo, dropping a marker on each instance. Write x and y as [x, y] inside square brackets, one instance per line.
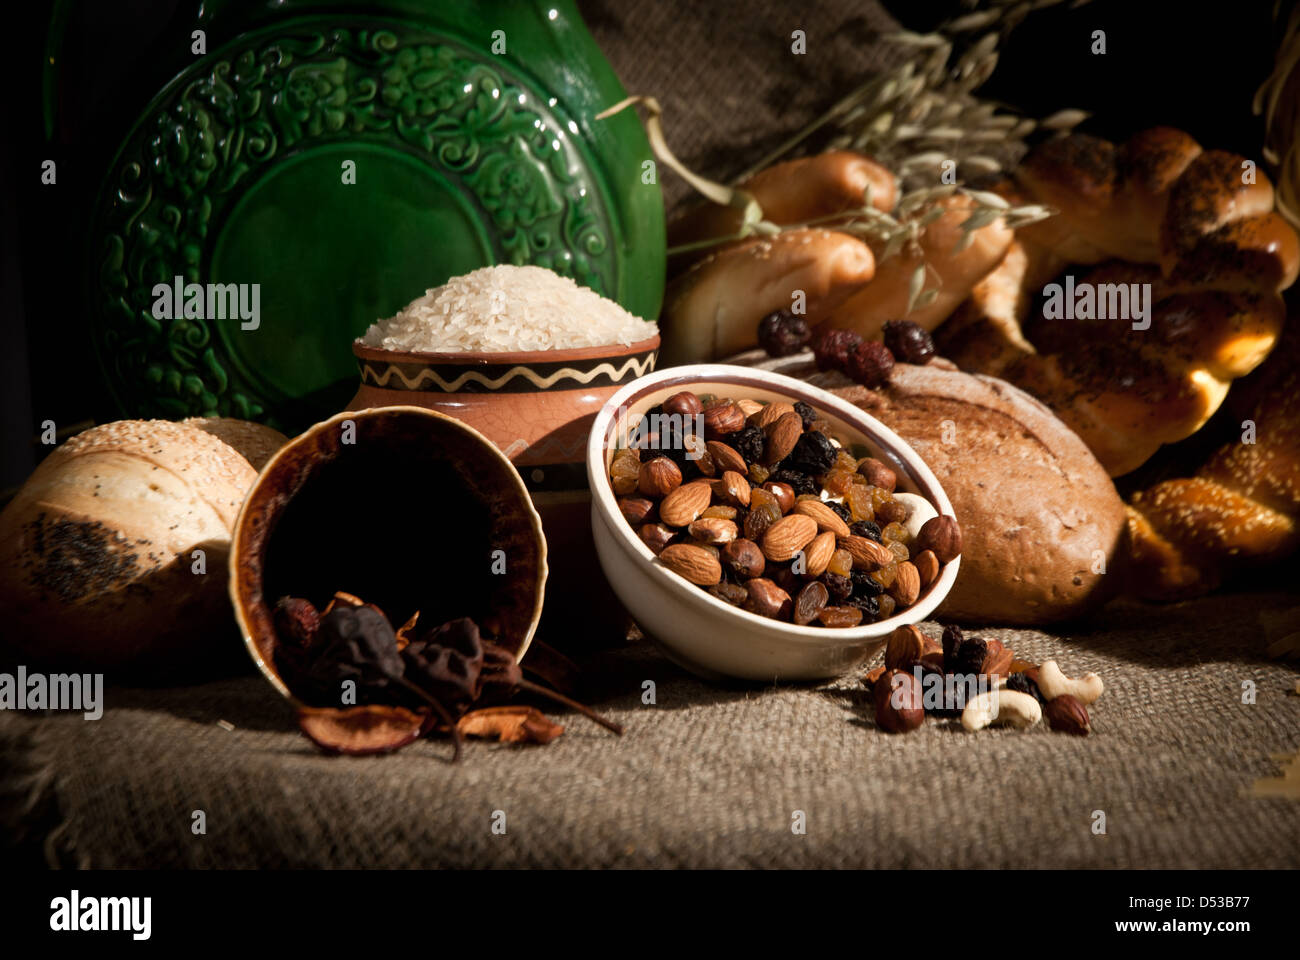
[1024, 683]
[748, 442]
[799, 482]
[812, 598]
[968, 657]
[806, 413]
[908, 341]
[813, 454]
[841, 510]
[868, 605]
[866, 528]
[840, 588]
[831, 349]
[952, 639]
[731, 593]
[870, 364]
[865, 585]
[781, 333]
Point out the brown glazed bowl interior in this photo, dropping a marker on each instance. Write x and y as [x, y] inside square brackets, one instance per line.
[403, 507]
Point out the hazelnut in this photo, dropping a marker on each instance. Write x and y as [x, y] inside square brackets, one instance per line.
[898, 701]
[636, 510]
[1066, 714]
[745, 558]
[784, 494]
[659, 477]
[656, 536]
[684, 404]
[941, 535]
[878, 475]
[712, 530]
[767, 599]
[722, 419]
[891, 511]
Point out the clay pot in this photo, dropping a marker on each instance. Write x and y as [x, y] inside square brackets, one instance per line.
[403, 507]
[538, 408]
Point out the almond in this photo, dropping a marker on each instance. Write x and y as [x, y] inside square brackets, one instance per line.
[904, 649]
[726, 458]
[788, 536]
[733, 488]
[712, 530]
[907, 584]
[685, 504]
[817, 556]
[782, 435]
[692, 563]
[749, 407]
[771, 413]
[866, 553]
[927, 566]
[997, 661]
[827, 519]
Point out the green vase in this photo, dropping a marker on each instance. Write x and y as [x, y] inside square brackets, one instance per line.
[343, 162]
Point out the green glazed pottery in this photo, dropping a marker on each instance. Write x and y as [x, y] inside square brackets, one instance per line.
[321, 167]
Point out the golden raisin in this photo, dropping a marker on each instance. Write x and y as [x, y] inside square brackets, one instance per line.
[838, 481]
[879, 497]
[899, 550]
[886, 575]
[859, 503]
[894, 531]
[841, 563]
[886, 604]
[624, 473]
[840, 616]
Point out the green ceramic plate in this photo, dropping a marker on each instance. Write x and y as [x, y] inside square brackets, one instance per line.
[343, 165]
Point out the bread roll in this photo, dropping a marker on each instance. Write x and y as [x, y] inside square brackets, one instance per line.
[713, 309]
[97, 550]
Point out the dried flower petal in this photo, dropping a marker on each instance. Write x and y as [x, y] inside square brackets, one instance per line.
[512, 724]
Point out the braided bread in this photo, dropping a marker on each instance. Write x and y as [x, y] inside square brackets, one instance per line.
[1241, 507]
[1158, 210]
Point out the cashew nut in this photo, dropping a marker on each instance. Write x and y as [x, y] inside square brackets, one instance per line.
[919, 510]
[1001, 706]
[1053, 683]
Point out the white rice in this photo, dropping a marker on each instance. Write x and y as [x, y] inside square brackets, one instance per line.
[506, 308]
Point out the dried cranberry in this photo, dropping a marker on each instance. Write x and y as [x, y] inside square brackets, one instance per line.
[866, 528]
[806, 413]
[908, 341]
[781, 333]
[870, 364]
[748, 442]
[813, 454]
[831, 348]
[799, 481]
[840, 587]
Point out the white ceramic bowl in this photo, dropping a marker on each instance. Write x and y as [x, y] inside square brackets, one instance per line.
[697, 630]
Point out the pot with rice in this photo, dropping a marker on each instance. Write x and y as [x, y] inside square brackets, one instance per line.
[526, 357]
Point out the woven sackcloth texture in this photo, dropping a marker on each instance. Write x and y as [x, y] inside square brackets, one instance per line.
[710, 777]
[706, 776]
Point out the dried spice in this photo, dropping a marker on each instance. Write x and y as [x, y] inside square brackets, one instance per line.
[514, 724]
[425, 681]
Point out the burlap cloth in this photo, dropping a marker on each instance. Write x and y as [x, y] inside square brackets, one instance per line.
[706, 776]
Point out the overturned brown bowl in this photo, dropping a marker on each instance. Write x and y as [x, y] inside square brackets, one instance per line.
[403, 507]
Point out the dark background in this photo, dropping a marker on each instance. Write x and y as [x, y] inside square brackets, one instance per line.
[1190, 65]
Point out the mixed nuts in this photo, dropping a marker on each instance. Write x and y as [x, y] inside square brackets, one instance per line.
[979, 681]
[759, 505]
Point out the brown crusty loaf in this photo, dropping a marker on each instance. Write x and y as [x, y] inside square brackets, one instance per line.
[1039, 516]
[1160, 210]
[97, 564]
